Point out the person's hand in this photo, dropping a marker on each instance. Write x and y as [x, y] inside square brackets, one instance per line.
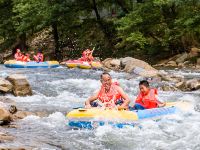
[161, 104]
[121, 108]
[88, 106]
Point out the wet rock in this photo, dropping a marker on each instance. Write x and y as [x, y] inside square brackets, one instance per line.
[5, 115]
[5, 137]
[182, 58]
[106, 62]
[168, 88]
[192, 84]
[21, 86]
[194, 52]
[6, 100]
[130, 63]
[115, 63]
[171, 64]
[21, 115]
[170, 78]
[5, 86]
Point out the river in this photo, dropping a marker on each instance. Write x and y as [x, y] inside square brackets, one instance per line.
[57, 91]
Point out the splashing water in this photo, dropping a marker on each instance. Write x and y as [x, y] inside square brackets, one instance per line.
[57, 91]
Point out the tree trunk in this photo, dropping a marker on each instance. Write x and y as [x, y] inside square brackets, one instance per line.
[58, 54]
[107, 33]
[22, 38]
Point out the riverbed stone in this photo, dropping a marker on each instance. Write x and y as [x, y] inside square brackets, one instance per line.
[5, 116]
[171, 64]
[5, 137]
[5, 85]
[182, 58]
[21, 86]
[192, 84]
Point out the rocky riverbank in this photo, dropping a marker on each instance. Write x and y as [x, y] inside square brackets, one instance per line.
[136, 67]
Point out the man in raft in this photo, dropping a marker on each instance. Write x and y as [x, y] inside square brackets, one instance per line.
[147, 98]
[18, 55]
[109, 94]
[87, 55]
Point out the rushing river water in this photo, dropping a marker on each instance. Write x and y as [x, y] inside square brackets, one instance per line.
[57, 91]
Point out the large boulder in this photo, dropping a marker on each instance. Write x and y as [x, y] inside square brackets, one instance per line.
[5, 86]
[139, 67]
[182, 58]
[21, 86]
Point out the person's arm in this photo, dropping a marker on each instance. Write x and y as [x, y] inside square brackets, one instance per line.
[91, 99]
[125, 97]
[159, 103]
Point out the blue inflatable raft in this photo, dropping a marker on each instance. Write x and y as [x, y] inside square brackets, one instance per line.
[94, 117]
[31, 64]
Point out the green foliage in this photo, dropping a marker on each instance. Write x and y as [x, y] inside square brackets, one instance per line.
[147, 29]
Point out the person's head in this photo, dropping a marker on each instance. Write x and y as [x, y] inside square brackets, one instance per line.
[39, 51]
[106, 80]
[18, 50]
[144, 86]
[88, 51]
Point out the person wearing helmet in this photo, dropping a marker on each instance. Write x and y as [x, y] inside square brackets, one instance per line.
[39, 57]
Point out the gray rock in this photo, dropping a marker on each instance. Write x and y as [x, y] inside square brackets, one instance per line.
[21, 86]
[182, 58]
[5, 85]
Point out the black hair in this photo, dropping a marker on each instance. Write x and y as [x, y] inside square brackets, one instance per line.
[105, 73]
[144, 82]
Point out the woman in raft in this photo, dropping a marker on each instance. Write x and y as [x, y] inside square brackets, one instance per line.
[109, 95]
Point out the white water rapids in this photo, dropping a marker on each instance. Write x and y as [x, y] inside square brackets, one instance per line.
[57, 91]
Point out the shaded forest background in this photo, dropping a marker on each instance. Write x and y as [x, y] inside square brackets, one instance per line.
[147, 29]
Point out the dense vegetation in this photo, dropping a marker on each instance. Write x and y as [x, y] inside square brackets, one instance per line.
[116, 28]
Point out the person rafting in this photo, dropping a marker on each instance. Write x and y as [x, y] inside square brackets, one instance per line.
[87, 55]
[26, 57]
[39, 57]
[18, 55]
[109, 95]
[147, 98]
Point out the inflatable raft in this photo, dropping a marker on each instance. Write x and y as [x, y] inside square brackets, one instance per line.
[31, 64]
[94, 117]
[83, 64]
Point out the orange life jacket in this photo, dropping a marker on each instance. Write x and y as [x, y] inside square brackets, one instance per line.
[149, 100]
[19, 56]
[26, 58]
[110, 98]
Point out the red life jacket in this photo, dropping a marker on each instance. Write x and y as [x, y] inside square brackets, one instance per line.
[110, 98]
[149, 100]
[39, 57]
[87, 56]
[19, 56]
[26, 58]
